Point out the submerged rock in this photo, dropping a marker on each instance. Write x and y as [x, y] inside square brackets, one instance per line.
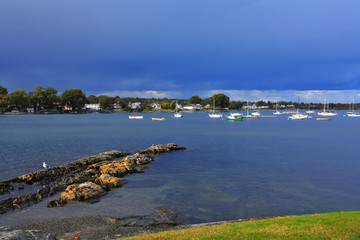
[6, 187]
[157, 149]
[138, 159]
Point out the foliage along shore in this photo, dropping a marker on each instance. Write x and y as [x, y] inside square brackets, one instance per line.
[47, 100]
[337, 225]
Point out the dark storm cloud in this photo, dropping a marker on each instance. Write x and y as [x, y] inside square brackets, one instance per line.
[198, 45]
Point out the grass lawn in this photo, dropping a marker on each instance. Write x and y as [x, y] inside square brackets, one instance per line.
[339, 225]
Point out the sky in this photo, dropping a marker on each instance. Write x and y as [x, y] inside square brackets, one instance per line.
[248, 49]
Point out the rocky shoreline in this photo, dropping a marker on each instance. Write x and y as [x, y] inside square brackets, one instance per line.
[93, 227]
[86, 179]
[100, 227]
[82, 180]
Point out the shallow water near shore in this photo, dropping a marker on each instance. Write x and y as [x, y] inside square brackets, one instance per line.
[253, 168]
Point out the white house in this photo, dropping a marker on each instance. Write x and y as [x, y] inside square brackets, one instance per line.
[155, 105]
[193, 107]
[93, 106]
[134, 105]
[178, 106]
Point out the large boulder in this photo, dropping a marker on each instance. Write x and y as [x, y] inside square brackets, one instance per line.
[138, 159]
[82, 192]
[109, 182]
[115, 168]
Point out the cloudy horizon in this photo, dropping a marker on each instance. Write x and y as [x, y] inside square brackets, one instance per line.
[314, 96]
[247, 49]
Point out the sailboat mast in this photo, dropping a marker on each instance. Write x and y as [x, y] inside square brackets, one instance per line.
[213, 104]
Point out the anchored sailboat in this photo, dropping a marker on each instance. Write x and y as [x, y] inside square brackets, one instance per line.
[213, 114]
[326, 112]
[177, 114]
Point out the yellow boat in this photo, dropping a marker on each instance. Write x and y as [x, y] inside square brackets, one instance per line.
[158, 119]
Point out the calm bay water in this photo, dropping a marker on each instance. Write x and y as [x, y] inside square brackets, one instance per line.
[253, 168]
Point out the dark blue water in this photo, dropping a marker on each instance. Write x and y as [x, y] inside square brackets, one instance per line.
[254, 168]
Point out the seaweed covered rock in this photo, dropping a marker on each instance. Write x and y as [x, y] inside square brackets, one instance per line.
[138, 159]
[115, 168]
[82, 179]
[157, 149]
[109, 182]
[6, 187]
[49, 175]
[82, 192]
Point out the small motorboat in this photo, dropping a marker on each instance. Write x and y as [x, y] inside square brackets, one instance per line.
[178, 115]
[323, 119]
[234, 117]
[158, 119]
[298, 116]
[136, 117]
[256, 113]
[353, 114]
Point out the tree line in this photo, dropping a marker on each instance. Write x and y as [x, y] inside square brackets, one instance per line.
[41, 99]
[75, 99]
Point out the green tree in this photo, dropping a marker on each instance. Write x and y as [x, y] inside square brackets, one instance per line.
[37, 97]
[4, 99]
[3, 91]
[19, 99]
[166, 105]
[92, 99]
[5, 102]
[260, 103]
[236, 105]
[221, 100]
[74, 98]
[50, 98]
[104, 101]
[195, 100]
[206, 101]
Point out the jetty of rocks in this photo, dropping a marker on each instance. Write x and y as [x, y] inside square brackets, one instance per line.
[81, 180]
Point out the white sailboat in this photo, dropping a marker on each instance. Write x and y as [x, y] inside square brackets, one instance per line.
[213, 114]
[298, 115]
[276, 110]
[310, 111]
[326, 112]
[256, 114]
[248, 115]
[177, 114]
[351, 113]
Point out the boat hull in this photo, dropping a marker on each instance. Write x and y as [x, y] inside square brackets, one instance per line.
[234, 118]
[215, 115]
[136, 117]
[298, 117]
[353, 115]
[158, 119]
[327, 114]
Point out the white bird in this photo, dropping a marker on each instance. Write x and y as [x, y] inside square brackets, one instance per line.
[45, 165]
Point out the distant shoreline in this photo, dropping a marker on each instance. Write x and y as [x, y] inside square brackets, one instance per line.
[157, 111]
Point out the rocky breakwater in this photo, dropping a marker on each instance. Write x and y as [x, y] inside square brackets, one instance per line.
[84, 179]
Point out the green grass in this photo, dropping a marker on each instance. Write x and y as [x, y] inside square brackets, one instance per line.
[339, 225]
